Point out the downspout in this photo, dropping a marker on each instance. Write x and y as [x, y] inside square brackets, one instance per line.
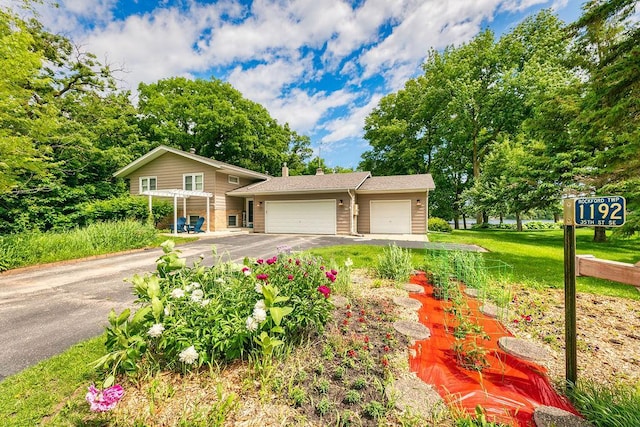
[426, 213]
[354, 217]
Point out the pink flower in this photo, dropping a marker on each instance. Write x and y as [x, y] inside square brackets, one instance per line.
[273, 260]
[297, 262]
[322, 267]
[334, 272]
[246, 271]
[105, 400]
[262, 276]
[330, 276]
[259, 260]
[324, 290]
[290, 277]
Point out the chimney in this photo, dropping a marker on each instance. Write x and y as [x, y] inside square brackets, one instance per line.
[192, 150]
[285, 170]
[319, 171]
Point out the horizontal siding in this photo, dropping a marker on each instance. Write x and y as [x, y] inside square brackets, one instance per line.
[343, 213]
[418, 213]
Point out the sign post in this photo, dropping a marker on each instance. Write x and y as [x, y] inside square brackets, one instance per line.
[570, 334]
[606, 211]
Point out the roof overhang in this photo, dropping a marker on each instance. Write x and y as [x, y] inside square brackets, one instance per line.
[284, 193]
[185, 194]
[404, 190]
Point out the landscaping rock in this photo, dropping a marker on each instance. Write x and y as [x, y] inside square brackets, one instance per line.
[524, 349]
[411, 288]
[489, 309]
[339, 301]
[414, 396]
[413, 330]
[405, 302]
[550, 416]
[471, 292]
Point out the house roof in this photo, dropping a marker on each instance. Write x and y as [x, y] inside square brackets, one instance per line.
[305, 184]
[397, 183]
[163, 149]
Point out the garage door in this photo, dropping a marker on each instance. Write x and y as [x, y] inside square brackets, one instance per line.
[301, 216]
[391, 216]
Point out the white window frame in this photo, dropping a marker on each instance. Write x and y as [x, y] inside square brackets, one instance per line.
[148, 180]
[233, 179]
[194, 187]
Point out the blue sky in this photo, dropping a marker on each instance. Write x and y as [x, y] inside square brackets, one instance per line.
[319, 65]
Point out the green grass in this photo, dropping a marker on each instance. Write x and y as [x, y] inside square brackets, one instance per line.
[537, 257]
[20, 250]
[51, 386]
[606, 406]
[363, 256]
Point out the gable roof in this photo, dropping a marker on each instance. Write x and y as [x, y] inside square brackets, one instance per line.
[163, 149]
[305, 184]
[397, 183]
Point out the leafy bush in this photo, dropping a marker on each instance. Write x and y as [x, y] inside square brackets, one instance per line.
[607, 405]
[123, 208]
[18, 250]
[394, 263]
[190, 316]
[439, 224]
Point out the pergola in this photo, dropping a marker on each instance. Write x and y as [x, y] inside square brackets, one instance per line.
[175, 194]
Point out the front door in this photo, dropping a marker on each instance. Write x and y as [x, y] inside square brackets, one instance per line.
[250, 213]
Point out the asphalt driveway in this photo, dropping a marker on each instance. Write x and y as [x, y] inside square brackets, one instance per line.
[46, 309]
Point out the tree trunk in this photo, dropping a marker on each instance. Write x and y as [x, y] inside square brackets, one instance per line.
[464, 221]
[556, 217]
[485, 218]
[501, 218]
[599, 234]
[456, 222]
[518, 222]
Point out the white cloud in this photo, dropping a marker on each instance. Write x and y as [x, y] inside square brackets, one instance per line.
[350, 126]
[521, 5]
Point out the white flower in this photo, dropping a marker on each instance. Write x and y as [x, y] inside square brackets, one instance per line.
[187, 288]
[177, 293]
[201, 256]
[195, 285]
[258, 288]
[348, 262]
[196, 295]
[247, 272]
[252, 324]
[156, 330]
[188, 355]
[167, 310]
[261, 305]
[259, 314]
[205, 302]
[220, 280]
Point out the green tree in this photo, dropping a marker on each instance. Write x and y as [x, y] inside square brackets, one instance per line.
[217, 121]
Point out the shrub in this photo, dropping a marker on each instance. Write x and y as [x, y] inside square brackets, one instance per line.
[190, 316]
[374, 410]
[394, 263]
[607, 405]
[123, 208]
[439, 224]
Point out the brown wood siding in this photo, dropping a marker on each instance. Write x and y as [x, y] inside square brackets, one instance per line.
[169, 170]
[343, 213]
[418, 213]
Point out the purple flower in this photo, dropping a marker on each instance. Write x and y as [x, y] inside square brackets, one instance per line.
[324, 290]
[105, 400]
[262, 276]
[330, 276]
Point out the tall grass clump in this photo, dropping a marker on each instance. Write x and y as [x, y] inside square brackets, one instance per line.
[394, 263]
[610, 406]
[18, 250]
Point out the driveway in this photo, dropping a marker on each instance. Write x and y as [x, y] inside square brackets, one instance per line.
[46, 309]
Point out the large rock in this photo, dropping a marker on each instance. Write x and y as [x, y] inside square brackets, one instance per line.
[524, 349]
[411, 288]
[413, 330]
[550, 416]
[409, 303]
[414, 396]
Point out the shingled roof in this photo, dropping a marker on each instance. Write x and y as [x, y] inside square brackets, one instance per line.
[397, 183]
[305, 184]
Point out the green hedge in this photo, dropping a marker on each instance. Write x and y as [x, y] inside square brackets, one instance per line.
[123, 208]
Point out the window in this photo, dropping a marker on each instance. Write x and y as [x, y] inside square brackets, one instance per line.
[233, 179]
[194, 182]
[232, 221]
[148, 183]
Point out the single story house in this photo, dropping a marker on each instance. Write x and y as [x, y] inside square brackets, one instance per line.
[344, 204]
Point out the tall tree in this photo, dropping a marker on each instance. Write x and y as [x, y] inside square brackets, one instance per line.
[217, 121]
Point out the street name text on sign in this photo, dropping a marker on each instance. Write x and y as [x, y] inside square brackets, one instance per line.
[605, 211]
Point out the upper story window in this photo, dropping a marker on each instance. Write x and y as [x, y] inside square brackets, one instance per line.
[233, 179]
[194, 182]
[148, 183]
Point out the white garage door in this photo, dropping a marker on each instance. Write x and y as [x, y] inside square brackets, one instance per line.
[301, 216]
[390, 217]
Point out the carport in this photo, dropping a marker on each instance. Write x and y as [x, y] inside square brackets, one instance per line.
[184, 195]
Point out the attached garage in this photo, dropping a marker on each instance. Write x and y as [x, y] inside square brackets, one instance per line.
[390, 216]
[300, 217]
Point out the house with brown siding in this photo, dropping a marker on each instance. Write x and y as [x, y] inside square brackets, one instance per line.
[344, 204]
